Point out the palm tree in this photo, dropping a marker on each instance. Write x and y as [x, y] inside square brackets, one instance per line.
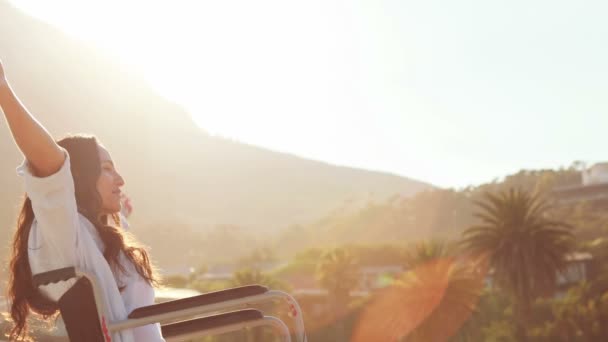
[426, 251]
[338, 273]
[522, 245]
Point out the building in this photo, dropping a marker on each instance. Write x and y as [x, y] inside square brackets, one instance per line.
[577, 270]
[593, 187]
[597, 174]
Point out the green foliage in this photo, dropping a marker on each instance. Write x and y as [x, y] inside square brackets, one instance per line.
[338, 271]
[499, 331]
[491, 320]
[425, 251]
[297, 267]
[578, 316]
[251, 276]
[257, 257]
[379, 254]
[176, 281]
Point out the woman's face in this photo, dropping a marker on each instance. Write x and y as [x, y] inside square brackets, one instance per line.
[108, 183]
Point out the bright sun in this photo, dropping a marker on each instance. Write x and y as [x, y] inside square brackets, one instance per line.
[237, 72]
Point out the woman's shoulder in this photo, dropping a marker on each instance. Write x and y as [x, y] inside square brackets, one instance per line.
[48, 191]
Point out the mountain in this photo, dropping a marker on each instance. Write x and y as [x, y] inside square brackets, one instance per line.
[176, 174]
[443, 214]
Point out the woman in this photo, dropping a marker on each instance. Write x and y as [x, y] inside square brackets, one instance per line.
[73, 198]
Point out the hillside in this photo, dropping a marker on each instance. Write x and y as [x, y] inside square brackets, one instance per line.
[436, 214]
[176, 174]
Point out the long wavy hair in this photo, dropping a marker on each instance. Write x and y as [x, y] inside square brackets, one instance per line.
[86, 169]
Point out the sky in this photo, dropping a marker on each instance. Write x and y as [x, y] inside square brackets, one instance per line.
[453, 93]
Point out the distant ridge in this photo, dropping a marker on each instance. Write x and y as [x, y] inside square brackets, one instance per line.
[175, 172]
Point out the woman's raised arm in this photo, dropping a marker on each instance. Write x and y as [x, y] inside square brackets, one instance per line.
[45, 157]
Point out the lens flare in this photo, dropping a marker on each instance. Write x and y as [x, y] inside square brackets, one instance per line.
[430, 303]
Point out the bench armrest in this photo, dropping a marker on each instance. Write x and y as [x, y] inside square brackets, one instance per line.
[200, 300]
[210, 322]
[54, 276]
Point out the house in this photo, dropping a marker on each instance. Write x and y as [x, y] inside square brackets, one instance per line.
[578, 269]
[593, 187]
[597, 174]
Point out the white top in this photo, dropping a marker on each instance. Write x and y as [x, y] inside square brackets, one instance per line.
[61, 237]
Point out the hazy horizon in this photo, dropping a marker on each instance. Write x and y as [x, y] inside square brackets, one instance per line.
[452, 94]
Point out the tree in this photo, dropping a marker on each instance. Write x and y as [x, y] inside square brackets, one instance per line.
[523, 246]
[578, 316]
[258, 257]
[338, 273]
[253, 276]
[176, 281]
[426, 251]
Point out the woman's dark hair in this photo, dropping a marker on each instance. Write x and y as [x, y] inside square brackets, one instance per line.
[85, 168]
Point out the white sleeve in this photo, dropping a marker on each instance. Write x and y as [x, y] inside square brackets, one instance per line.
[54, 205]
